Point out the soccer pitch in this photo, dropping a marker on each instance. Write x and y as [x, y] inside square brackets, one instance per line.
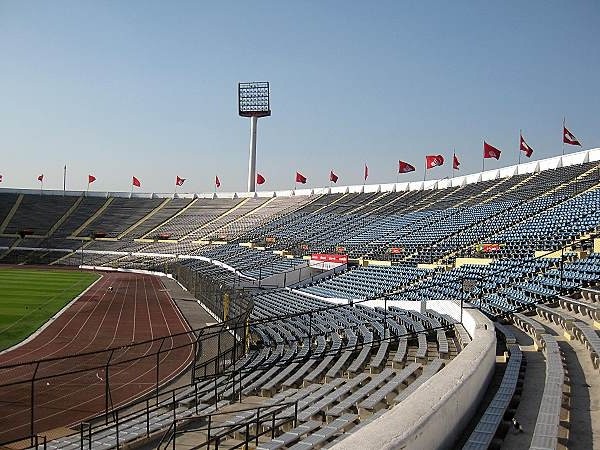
[29, 297]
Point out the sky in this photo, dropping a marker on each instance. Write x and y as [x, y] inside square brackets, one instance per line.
[149, 88]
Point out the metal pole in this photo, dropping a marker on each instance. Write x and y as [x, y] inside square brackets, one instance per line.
[32, 416]
[117, 427]
[309, 334]
[193, 371]
[562, 264]
[107, 387]
[158, 367]
[385, 317]
[252, 158]
[462, 299]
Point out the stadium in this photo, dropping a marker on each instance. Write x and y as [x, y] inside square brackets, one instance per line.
[357, 250]
[452, 313]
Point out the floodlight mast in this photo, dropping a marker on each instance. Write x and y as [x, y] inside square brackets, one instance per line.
[254, 102]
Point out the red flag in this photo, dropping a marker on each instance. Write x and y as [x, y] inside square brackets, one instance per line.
[333, 177]
[179, 181]
[432, 161]
[91, 179]
[260, 179]
[404, 167]
[41, 178]
[524, 147]
[366, 172]
[490, 151]
[136, 182]
[568, 137]
[218, 182]
[455, 162]
[300, 178]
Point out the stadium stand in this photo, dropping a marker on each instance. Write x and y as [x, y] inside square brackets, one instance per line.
[343, 350]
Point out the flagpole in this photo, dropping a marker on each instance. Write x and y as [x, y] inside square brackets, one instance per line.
[425, 171]
[65, 179]
[453, 158]
[563, 135]
[519, 149]
[483, 163]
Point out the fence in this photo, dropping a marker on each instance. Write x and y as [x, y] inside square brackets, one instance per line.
[36, 396]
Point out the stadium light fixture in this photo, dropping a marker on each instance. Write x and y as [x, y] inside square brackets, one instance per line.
[253, 101]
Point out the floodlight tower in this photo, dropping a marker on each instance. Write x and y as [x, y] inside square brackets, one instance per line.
[254, 102]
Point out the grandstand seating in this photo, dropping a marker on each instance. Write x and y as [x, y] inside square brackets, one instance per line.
[345, 365]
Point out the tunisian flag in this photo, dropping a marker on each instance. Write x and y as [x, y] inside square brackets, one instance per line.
[333, 177]
[91, 179]
[217, 181]
[179, 181]
[366, 172]
[568, 137]
[260, 179]
[524, 147]
[136, 182]
[404, 167]
[300, 178]
[455, 162]
[432, 161]
[489, 151]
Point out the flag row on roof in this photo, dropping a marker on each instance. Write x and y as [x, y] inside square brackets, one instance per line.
[431, 161]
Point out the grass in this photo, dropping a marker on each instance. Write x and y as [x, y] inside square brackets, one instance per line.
[29, 297]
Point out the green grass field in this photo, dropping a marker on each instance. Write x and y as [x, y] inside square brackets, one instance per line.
[29, 297]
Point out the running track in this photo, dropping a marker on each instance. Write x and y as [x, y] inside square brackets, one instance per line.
[137, 309]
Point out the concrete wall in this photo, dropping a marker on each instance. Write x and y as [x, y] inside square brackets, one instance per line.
[434, 416]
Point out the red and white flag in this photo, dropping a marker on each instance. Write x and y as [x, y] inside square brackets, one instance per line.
[260, 179]
[179, 181]
[300, 178]
[524, 147]
[568, 137]
[432, 161]
[489, 151]
[91, 179]
[455, 162]
[136, 182]
[366, 172]
[404, 167]
[41, 178]
[333, 177]
[217, 181]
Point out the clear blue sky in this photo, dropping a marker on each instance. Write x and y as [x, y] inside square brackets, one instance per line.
[148, 88]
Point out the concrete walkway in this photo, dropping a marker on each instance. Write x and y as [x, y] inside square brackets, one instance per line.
[531, 397]
[584, 431]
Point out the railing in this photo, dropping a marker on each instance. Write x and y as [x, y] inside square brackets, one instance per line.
[29, 391]
[257, 425]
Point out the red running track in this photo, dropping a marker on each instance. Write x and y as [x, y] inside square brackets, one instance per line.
[138, 309]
